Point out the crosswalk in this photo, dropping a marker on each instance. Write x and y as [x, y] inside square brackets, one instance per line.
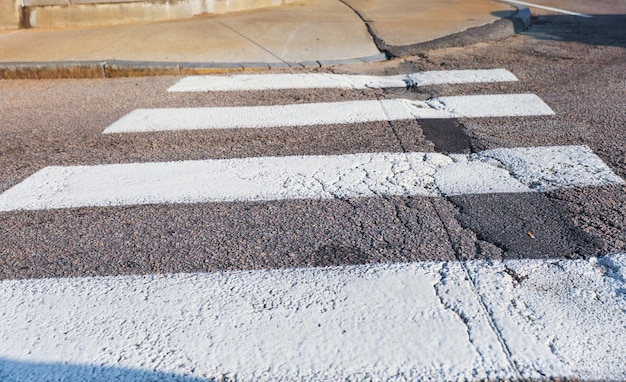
[243, 82]
[501, 105]
[422, 321]
[480, 319]
[311, 177]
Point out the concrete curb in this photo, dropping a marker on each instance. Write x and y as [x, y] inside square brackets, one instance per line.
[50, 70]
[497, 30]
[117, 68]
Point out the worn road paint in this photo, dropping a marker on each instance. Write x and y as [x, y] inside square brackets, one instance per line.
[549, 8]
[310, 177]
[500, 105]
[242, 82]
[513, 319]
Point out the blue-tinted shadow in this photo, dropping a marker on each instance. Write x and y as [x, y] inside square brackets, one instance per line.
[18, 371]
[600, 30]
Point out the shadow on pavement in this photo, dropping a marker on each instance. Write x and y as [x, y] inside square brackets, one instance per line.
[13, 371]
[607, 30]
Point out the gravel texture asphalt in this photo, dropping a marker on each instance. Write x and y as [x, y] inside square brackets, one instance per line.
[576, 66]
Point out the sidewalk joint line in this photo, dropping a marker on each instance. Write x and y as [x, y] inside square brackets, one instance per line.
[254, 42]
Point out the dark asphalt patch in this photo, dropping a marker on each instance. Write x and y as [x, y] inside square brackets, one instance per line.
[447, 135]
[527, 225]
[221, 236]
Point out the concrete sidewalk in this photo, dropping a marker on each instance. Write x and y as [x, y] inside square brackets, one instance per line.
[307, 33]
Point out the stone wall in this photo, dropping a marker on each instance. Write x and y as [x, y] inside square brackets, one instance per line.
[79, 13]
[9, 14]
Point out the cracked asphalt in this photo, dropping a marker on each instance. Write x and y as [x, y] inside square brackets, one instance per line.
[565, 61]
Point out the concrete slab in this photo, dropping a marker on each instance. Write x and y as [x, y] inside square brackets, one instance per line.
[195, 40]
[306, 31]
[400, 22]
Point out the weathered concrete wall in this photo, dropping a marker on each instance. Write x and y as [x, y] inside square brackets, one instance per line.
[9, 14]
[64, 13]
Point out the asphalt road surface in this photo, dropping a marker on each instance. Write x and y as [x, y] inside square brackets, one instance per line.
[60, 123]
[576, 66]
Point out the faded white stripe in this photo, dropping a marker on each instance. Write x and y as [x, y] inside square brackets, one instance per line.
[143, 120]
[558, 10]
[242, 82]
[420, 321]
[310, 177]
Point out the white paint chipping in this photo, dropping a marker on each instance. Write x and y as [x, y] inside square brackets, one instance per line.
[416, 321]
[558, 10]
[244, 82]
[546, 317]
[310, 177]
[328, 113]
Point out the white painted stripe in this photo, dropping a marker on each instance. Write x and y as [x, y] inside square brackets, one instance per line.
[242, 82]
[549, 8]
[491, 105]
[310, 177]
[143, 120]
[420, 321]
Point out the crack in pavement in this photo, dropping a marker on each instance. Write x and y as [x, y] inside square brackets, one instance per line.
[441, 290]
[381, 45]
[491, 321]
[483, 307]
[390, 123]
